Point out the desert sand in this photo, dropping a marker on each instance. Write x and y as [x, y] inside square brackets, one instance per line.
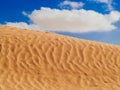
[33, 60]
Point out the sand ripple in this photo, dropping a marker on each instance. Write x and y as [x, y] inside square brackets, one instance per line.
[31, 60]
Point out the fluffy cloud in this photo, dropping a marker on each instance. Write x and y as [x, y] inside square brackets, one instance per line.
[23, 25]
[70, 20]
[71, 4]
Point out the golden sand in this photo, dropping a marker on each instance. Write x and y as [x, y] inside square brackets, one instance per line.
[32, 60]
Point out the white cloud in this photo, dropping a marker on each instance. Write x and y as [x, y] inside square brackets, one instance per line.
[70, 20]
[107, 2]
[102, 1]
[23, 25]
[74, 20]
[71, 4]
[24, 13]
[110, 7]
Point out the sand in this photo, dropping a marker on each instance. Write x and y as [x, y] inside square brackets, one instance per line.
[33, 60]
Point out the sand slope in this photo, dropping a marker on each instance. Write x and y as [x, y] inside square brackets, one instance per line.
[31, 60]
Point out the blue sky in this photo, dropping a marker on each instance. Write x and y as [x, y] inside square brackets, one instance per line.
[100, 18]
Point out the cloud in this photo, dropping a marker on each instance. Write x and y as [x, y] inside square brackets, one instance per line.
[70, 20]
[107, 2]
[24, 13]
[73, 20]
[102, 1]
[23, 25]
[110, 7]
[71, 4]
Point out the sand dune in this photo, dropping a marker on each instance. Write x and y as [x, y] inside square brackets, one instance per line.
[32, 60]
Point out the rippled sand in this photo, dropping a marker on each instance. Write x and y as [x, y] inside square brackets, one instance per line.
[32, 60]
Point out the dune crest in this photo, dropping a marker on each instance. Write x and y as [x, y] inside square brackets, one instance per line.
[32, 60]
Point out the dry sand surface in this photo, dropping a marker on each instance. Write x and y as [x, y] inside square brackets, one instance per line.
[32, 60]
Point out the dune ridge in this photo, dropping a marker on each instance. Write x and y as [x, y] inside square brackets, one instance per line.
[33, 60]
